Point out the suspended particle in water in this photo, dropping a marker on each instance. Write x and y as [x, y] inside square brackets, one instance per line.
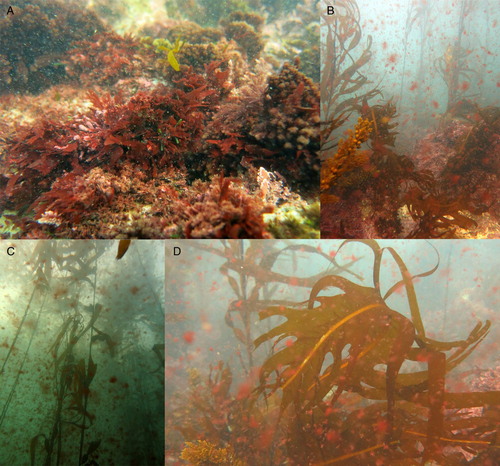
[381, 426]
[244, 391]
[293, 281]
[253, 423]
[464, 86]
[393, 58]
[333, 436]
[188, 336]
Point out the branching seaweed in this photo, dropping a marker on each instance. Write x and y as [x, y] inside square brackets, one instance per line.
[452, 65]
[341, 77]
[72, 375]
[67, 360]
[332, 388]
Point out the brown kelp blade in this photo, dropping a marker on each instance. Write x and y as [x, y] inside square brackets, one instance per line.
[123, 246]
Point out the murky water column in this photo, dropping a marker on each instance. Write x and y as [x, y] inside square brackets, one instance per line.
[81, 353]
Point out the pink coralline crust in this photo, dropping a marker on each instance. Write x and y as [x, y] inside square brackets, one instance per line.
[129, 204]
[435, 150]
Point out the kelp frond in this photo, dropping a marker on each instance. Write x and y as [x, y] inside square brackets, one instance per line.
[341, 76]
[352, 341]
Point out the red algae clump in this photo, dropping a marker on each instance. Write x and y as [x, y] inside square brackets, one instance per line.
[171, 139]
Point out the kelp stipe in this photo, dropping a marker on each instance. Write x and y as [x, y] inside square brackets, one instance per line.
[20, 370]
[39, 290]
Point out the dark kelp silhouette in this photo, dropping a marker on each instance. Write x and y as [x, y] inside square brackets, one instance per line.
[452, 65]
[72, 377]
[58, 372]
[341, 77]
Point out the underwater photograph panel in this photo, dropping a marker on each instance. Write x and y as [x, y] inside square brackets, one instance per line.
[357, 352]
[81, 353]
[410, 111]
[160, 119]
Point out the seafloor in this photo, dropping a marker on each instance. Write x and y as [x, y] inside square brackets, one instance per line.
[190, 122]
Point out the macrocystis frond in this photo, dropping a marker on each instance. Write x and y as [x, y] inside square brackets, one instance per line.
[249, 269]
[452, 66]
[77, 259]
[378, 339]
[341, 77]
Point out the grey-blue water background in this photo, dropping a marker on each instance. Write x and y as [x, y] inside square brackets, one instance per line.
[410, 37]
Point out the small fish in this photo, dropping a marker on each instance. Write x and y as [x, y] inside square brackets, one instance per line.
[123, 246]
